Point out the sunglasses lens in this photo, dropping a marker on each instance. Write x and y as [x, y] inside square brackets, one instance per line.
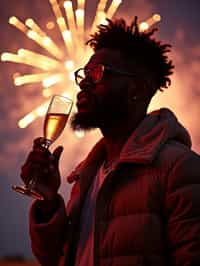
[97, 73]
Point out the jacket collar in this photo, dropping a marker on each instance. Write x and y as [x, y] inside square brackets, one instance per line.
[143, 145]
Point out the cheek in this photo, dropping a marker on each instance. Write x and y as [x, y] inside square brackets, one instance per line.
[111, 94]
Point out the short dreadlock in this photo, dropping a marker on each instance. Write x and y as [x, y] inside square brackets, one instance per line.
[138, 46]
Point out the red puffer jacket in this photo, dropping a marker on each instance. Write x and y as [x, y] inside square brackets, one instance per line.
[147, 210]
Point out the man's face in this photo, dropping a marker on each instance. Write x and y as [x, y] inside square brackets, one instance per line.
[105, 103]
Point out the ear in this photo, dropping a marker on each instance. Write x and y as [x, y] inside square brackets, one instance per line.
[139, 93]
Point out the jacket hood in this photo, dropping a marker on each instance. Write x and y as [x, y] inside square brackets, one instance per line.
[157, 128]
[152, 133]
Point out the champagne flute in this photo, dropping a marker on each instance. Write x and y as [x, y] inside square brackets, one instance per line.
[55, 120]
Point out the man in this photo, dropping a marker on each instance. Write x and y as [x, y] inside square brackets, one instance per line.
[136, 197]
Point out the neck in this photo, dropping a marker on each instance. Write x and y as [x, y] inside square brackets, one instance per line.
[115, 136]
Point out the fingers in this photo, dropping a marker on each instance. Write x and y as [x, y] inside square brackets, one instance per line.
[37, 163]
[31, 169]
[45, 191]
[39, 155]
[39, 145]
[56, 154]
[44, 165]
[39, 141]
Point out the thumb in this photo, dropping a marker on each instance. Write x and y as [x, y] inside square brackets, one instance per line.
[56, 154]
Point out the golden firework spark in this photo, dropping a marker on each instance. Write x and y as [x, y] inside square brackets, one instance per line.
[58, 68]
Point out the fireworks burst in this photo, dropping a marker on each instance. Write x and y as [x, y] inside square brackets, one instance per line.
[58, 67]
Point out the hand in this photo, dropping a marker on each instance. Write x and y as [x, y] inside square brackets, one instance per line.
[44, 166]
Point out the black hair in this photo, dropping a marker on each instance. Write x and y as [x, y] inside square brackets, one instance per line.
[138, 47]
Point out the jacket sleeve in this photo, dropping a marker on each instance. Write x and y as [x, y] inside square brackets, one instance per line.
[47, 239]
[183, 211]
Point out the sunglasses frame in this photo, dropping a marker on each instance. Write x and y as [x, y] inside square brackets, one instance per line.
[103, 69]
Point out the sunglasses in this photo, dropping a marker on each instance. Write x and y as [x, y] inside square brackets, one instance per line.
[95, 74]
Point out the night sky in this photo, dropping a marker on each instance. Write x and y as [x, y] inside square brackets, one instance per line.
[179, 27]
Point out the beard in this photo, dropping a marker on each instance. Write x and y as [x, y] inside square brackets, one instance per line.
[104, 113]
[84, 121]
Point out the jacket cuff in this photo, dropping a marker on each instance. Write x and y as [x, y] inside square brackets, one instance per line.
[48, 238]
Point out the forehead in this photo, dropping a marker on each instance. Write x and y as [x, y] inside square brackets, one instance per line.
[106, 56]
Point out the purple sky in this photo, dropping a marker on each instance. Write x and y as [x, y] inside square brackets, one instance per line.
[179, 26]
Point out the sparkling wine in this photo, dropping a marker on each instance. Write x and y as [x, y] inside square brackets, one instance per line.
[53, 125]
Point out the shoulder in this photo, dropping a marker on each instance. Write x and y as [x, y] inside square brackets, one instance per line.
[180, 164]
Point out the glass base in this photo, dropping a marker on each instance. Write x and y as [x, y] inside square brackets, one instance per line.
[26, 191]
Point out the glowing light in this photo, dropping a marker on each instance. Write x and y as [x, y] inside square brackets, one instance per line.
[47, 92]
[56, 66]
[22, 60]
[42, 41]
[46, 41]
[71, 19]
[70, 14]
[67, 35]
[113, 8]
[13, 20]
[56, 8]
[39, 59]
[80, 22]
[39, 36]
[32, 78]
[68, 5]
[79, 15]
[29, 118]
[5, 57]
[149, 22]
[18, 24]
[69, 64]
[24, 122]
[100, 8]
[41, 110]
[143, 26]
[29, 22]
[156, 17]
[81, 4]
[50, 25]
[62, 24]
[68, 40]
[102, 18]
[52, 80]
